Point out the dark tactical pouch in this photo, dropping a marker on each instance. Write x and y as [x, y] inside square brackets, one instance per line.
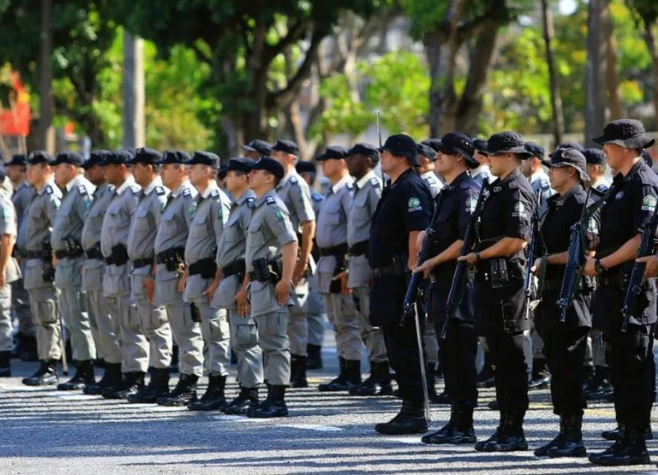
[336, 287]
[173, 259]
[47, 271]
[499, 273]
[509, 317]
[119, 256]
[400, 263]
[207, 268]
[73, 249]
[196, 315]
[265, 271]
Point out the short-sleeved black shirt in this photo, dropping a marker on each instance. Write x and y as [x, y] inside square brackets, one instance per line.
[405, 206]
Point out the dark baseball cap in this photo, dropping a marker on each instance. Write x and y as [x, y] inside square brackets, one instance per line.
[118, 157]
[575, 145]
[402, 145]
[287, 146]
[240, 164]
[270, 165]
[40, 156]
[174, 157]
[479, 144]
[18, 160]
[456, 143]
[96, 157]
[258, 146]
[201, 157]
[594, 156]
[304, 166]
[146, 156]
[425, 151]
[366, 149]
[335, 152]
[536, 150]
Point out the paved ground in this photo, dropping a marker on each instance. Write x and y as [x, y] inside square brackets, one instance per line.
[43, 431]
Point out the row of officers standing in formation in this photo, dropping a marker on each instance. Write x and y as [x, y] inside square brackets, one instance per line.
[132, 253]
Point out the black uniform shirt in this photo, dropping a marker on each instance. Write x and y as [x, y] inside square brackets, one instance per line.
[405, 206]
[507, 212]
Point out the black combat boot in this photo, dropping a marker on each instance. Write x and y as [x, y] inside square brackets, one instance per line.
[350, 375]
[273, 406]
[630, 449]
[509, 436]
[486, 377]
[541, 378]
[314, 360]
[213, 399]
[614, 434]
[183, 393]
[46, 375]
[173, 366]
[157, 387]
[131, 383]
[410, 420]
[459, 430]
[5, 364]
[571, 443]
[298, 372]
[545, 449]
[377, 384]
[246, 400]
[111, 377]
[84, 376]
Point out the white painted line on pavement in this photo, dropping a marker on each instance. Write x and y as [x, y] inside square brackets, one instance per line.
[315, 427]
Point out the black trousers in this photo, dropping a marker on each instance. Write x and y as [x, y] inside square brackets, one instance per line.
[632, 373]
[511, 371]
[564, 349]
[402, 350]
[457, 352]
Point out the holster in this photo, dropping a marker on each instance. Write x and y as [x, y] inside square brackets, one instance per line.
[336, 286]
[173, 259]
[195, 314]
[119, 256]
[205, 267]
[266, 271]
[47, 271]
[499, 273]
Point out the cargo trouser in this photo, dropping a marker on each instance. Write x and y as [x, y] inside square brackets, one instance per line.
[6, 327]
[44, 305]
[372, 336]
[316, 313]
[20, 304]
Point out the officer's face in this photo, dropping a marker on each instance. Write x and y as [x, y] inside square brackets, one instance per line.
[331, 168]
[198, 173]
[558, 176]
[281, 157]
[235, 181]
[142, 173]
[252, 155]
[390, 162]
[499, 163]
[16, 173]
[36, 174]
[113, 173]
[257, 179]
[358, 165]
[96, 174]
[172, 175]
[481, 159]
[446, 163]
[614, 153]
[64, 173]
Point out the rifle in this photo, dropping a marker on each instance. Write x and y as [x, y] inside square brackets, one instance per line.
[458, 284]
[647, 248]
[379, 134]
[530, 258]
[576, 258]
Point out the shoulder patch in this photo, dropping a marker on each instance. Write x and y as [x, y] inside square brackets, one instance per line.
[279, 214]
[160, 191]
[270, 200]
[414, 204]
[602, 188]
[317, 197]
[649, 203]
[214, 193]
[49, 190]
[545, 185]
[375, 182]
[82, 189]
[187, 192]
[294, 180]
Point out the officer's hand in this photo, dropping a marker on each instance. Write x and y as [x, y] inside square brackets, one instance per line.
[589, 266]
[343, 276]
[282, 292]
[469, 258]
[592, 241]
[243, 302]
[426, 267]
[420, 240]
[210, 291]
[537, 265]
[149, 285]
[651, 270]
[54, 260]
[3, 278]
[298, 273]
[181, 281]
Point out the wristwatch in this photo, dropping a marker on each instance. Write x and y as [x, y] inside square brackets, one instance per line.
[598, 267]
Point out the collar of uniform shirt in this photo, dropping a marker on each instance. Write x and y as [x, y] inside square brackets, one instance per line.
[636, 166]
[185, 184]
[206, 193]
[365, 179]
[341, 183]
[560, 199]
[69, 186]
[262, 199]
[125, 185]
[43, 188]
[154, 183]
[513, 174]
[246, 195]
[288, 176]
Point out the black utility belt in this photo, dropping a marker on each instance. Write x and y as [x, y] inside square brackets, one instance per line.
[205, 267]
[619, 279]
[358, 249]
[386, 270]
[173, 259]
[72, 253]
[336, 251]
[139, 263]
[234, 268]
[94, 252]
[498, 272]
[34, 255]
[119, 256]
[266, 271]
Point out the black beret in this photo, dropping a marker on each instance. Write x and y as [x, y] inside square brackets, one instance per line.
[174, 157]
[304, 166]
[258, 146]
[426, 151]
[96, 157]
[287, 146]
[19, 160]
[240, 164]
[335, 152]
[402, 145]
[201, 157]
[366, 149]
[118, 157]
[594, 156]
[71, 158]
[536, 150]
[270, 165]
[146, 156]
[40, 156]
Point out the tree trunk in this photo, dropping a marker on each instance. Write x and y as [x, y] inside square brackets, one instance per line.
[45, 133]
[652, 46]
[612, 78]
[556, 100]
[133, 93]
[595, 90]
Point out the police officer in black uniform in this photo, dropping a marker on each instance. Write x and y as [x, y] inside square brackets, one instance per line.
[503, 230]
[454, 207]
[565, 341]
[405, 209]
[629, 353]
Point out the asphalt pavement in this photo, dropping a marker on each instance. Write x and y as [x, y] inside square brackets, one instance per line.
[44, 431]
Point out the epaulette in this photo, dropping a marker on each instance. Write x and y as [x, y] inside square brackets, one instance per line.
[135, 189]
[49, 190]
[214, 193]
[82, 189]
[350, 186]
[294, 180]
[160, 191]
[602, 188]
[375, 182]
[317, 197]
[545, 185]
[270, 200]
[187, 192]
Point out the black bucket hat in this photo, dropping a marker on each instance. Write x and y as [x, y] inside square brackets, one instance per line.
[568, 157]
[627, 133]
[506, 142]
[402, 145]
[456, 143]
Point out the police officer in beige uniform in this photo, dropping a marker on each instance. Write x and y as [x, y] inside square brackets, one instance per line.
[105, 329]
[173, 230]
[332, 243]
[233, 287]
[26, 342]
[270, 258]
[154, 351]
[8, 272]
[34, 238]
[296, 195]
[202, 275]
[361, 160]
[116, 281]
[69, 258]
